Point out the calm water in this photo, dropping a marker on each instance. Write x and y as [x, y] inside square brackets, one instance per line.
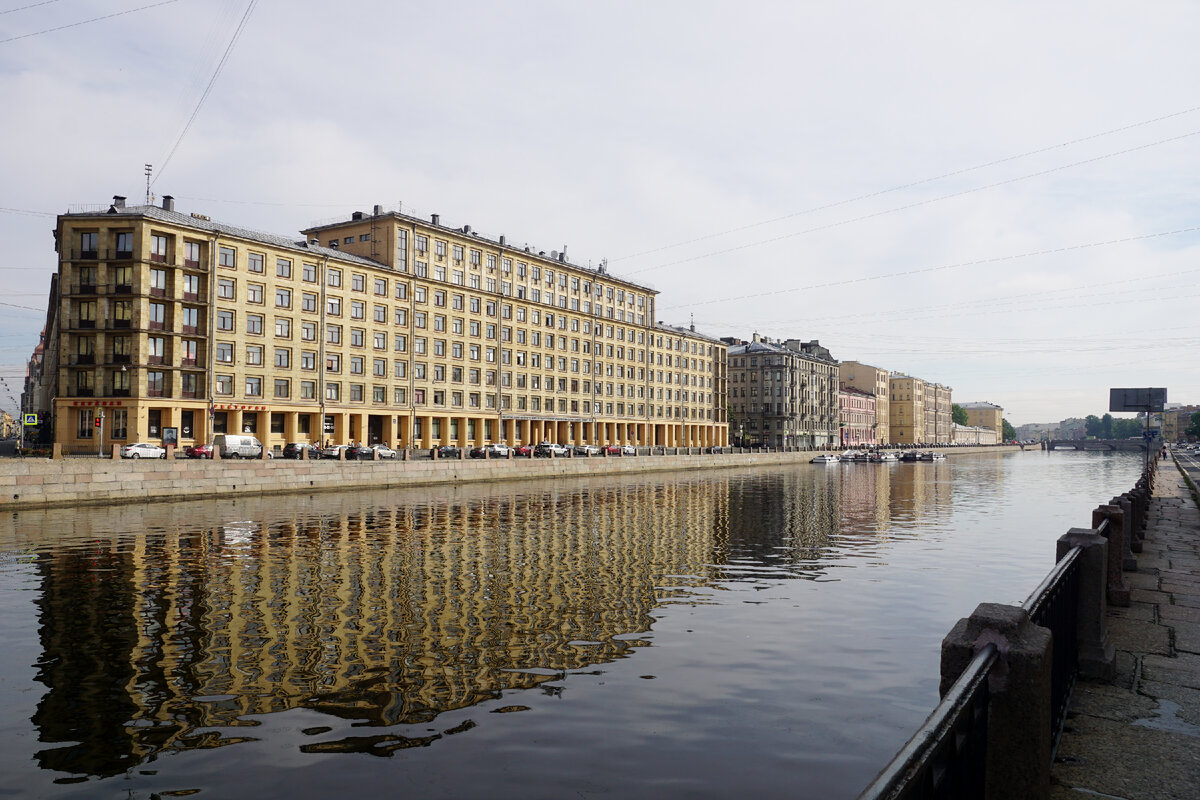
[765, 631]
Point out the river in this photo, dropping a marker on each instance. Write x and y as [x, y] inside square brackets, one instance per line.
[767, 631]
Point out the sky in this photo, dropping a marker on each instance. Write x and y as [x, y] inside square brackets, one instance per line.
[1001, 199]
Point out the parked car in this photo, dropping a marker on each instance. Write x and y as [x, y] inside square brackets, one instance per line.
[628, 450]
[547, 449]
[448, 451]
[586, 450]
[334, 451]
[496, 450]
[523, 450]
[142, 450]
[621, 450]
[198, 451]
[359, 452]
[385, 452]
[293, 450]
[231, 445]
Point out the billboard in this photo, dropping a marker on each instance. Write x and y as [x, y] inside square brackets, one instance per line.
[1137, 399]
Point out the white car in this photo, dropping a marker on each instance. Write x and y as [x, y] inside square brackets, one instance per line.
[384, 451]
[628, 450]
[143, 450]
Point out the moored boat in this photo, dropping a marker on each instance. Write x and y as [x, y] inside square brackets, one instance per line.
[825, 458]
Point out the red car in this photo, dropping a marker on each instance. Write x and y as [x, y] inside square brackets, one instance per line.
[523, 451]
[198, 451]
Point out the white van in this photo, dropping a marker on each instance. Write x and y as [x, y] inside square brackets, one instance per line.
[234, 446]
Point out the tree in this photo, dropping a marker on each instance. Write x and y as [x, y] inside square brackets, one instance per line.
[1194, 428]
[1010, 433]
[958, 414]
[1093, 426]
[1106, 424]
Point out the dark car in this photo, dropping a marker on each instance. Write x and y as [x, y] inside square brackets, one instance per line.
[360, 453]
[198, 451]
[293, 449]
[448, 451]
[548, 449]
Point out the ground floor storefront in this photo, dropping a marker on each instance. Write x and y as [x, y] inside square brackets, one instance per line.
[87, 425]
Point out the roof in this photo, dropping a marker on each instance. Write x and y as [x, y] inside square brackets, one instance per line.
[236, 231]
[981, 406]
[762, 347]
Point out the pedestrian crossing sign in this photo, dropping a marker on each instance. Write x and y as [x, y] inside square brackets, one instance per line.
[30, 419]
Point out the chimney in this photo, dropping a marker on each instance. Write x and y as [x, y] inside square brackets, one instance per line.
[168, 203]
[118, 201]
[502, 240]
[356, 216]
[562, 254]
[378, 210]
[466, 228]
[437, 218]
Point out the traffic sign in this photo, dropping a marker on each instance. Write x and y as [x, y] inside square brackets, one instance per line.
[30, 419]
[1147, 435]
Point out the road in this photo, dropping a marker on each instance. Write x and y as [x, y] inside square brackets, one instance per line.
[1189, 460]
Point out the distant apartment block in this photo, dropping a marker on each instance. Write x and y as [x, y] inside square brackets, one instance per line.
[985, 415]
[856, 417]
[873, 381]
[782, 393]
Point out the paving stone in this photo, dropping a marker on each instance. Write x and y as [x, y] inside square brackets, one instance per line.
[1137, 636]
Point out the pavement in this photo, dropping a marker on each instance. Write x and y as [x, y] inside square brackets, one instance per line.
[1138, 738]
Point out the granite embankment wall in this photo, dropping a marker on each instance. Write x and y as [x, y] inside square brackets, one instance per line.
[39, 483]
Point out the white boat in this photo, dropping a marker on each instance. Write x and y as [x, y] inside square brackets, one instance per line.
[882, 457]
[825, 458]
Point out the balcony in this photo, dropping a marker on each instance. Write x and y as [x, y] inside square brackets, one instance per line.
[157, 292]
[191, 329]
[116, 323]
[155, 393]
[119, 393]
[123, 255]
[119, 359]
[123, 288]
[85, 288]
[86, 255]
[155, 360]
[191, 263]
[79, 392]
[192, 296]
[85, 323]
[161, 258]
[189, 394]
[82, 359]
[155, 325]
[188, 362]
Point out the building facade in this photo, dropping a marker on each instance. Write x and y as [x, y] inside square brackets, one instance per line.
[906, 404]
[856, 417]
[397, 330]
[986, 415]
[873, 381]
[968, 434]
[782, 393]
[1175, 423]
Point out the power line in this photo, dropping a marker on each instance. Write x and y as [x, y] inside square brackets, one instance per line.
[918, 204]
[207, 90]
[32, 5]
[942, 267]
[26, 211]
[912, 184]
[86, 21]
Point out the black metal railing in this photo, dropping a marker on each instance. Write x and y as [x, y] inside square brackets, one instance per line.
[1054, 605]
[946, 758]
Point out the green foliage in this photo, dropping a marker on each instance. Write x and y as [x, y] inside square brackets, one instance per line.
[1009, 432]
[1194, 428]
[1093, 426]
[958, 414]
[1106, 425]
[1127, 428]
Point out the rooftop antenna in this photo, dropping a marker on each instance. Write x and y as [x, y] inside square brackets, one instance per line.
[149, 172]
[693, 323]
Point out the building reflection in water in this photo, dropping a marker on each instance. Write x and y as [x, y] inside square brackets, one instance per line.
[390, 608]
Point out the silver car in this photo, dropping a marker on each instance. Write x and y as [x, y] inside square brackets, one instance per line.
[143, 450]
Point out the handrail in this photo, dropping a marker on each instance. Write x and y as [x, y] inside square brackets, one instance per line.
[923, 763]
[1038, 597]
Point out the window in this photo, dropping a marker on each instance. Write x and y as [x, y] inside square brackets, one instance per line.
[439, 248]
[254, 355]
[308, 360]
[358, 282]
[308, 331]
[124, 246]
[254, 293]
[283, 298]
[283, 269]
[358, 309]
[224, 384]
[356, 365]
[254, 324]
[283, 357]
[226, 288]
[380, 340]
[356, 337]
[333, 277]
[253, 386]
[356, 392]
[254, 262]
[283, 327]
[333, 306]
[379, 367]
[158, 247]
[333, 362]
[333, 334]
[158, 282]
[308, 273]
[155, 383]
[224, 352]
[308, 391]
[227, 257]
[381, 287]
[158, 316]
[381, 314]
[191, 254]
[283, 388]
[191, 286]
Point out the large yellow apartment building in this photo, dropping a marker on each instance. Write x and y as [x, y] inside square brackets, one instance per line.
[986, 415]
[920, 411]
[381, 328]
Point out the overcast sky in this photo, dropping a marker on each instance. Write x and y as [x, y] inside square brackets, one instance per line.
[999, 198]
